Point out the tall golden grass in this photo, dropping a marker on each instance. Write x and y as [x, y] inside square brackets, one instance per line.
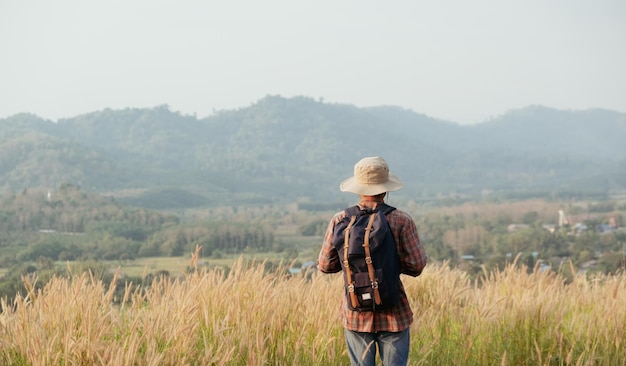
[250, 317]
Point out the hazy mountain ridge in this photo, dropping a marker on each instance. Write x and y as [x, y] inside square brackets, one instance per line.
[595, 134]
[293, 147]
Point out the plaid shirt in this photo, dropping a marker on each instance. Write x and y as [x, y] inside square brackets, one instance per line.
[412, 261]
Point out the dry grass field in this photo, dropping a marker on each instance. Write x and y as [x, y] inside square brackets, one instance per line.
[249, 317]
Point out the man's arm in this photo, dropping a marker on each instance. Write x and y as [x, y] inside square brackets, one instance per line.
[412, 255]
[328, 260]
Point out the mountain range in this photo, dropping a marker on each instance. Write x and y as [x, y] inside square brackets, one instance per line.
[299, 149]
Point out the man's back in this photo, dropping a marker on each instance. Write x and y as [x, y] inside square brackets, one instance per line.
[412, 261]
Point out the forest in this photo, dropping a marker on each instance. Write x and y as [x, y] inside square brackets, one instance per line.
[42, 232]
[281, 150]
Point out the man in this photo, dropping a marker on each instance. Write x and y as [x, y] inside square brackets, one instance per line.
[386, 329]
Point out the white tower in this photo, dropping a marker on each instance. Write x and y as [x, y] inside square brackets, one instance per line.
[562, 219]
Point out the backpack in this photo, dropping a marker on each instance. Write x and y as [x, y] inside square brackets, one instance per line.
[374, 284]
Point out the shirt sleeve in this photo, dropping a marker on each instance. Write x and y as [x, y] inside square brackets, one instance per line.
[412, 255]
[328, 260]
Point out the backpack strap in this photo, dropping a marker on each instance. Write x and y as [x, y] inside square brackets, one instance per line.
[353, 210]
[346, 264]
[368, 260]
[385, 208]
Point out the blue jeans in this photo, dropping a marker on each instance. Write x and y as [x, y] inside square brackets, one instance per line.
[393, 347]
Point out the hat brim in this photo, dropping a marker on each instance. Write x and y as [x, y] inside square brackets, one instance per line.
[351, 185]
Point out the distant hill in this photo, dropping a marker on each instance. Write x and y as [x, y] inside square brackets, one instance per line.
[301, 149]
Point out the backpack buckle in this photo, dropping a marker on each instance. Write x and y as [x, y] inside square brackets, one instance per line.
[375, 284]
[350, 288]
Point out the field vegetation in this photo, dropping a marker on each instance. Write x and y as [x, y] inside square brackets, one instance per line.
[85, 280]
[248, 315]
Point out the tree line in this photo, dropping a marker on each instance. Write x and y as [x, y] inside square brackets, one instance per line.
[38, 227]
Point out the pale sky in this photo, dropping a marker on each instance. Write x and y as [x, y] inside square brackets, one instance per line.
[463, 61]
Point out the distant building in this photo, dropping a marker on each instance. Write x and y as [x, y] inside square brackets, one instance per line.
[306, 266]
[605, 229]
[515, 227]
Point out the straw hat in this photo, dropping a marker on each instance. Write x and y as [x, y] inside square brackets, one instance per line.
[371, 177]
